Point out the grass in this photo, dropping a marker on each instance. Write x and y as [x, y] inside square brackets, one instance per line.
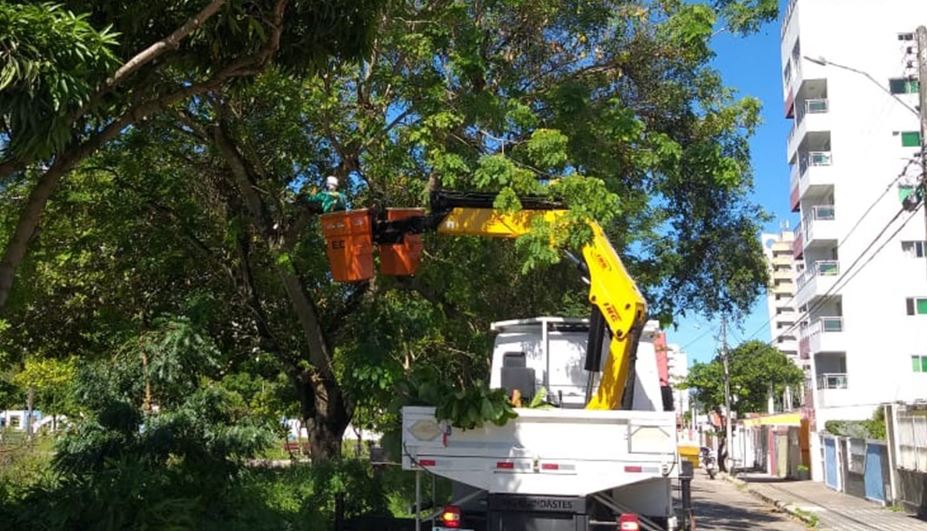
[810, 519]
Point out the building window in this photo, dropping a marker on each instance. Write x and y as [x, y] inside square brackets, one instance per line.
[905, 36]
[916, 305]
[919, 363]
[914, 249]
[910, 139]
[903, 86]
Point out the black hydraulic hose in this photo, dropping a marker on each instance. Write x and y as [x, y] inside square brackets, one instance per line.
[595, 340]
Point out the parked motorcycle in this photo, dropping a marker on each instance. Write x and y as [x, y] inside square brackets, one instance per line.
[710, 462]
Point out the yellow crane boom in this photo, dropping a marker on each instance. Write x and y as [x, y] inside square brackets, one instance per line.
[612, 291]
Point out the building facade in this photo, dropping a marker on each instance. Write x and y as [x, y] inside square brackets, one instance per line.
[780, 295]
[783, 316]
[678, 368]
[850, 87]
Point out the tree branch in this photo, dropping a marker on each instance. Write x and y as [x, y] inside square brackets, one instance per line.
[30, 217]
[171, 42]
[302, 305]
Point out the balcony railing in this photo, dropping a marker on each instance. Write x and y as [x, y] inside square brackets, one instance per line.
[814, 158]
[824, 268]
[811, 106]
[833, 380]
[822, 325]
[823, 212]
[817, 213]
[830, 324]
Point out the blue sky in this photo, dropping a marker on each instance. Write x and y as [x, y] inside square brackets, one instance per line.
[750, 65]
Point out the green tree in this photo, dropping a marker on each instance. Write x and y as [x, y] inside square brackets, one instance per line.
[755, 368]
[612, 106]
[62, 97]
[52, 381]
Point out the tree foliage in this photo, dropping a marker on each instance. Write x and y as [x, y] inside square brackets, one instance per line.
[755, 369]
[52, 61]
[52, 380]
[198, 212]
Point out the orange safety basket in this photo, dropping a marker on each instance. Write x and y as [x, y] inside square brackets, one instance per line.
[402, 259]
[349, 244]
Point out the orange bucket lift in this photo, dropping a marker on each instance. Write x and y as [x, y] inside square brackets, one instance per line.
[349, 244]
[402, 259]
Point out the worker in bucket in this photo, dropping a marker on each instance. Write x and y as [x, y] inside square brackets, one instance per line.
[330, 199]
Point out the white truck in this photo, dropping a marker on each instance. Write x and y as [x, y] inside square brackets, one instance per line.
[560, 467]
[604, 452]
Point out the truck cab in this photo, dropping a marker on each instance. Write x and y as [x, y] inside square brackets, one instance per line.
[549, 353]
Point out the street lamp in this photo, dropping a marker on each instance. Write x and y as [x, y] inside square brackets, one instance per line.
[820, 60]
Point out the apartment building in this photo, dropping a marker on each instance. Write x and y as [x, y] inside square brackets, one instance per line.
[781, 305]
[849, 87]
[780, 295]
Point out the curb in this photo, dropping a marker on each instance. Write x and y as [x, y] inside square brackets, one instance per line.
[779, 505]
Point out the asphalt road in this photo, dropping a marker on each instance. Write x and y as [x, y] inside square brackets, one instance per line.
[719, 504]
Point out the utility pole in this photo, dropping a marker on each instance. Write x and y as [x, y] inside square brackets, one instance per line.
[729, 429]
[922, 83]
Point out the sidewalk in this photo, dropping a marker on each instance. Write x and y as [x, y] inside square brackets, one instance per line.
[812, 502]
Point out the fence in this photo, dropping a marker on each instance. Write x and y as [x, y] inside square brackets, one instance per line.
[893, 471]
[857, 467]
[907, 437]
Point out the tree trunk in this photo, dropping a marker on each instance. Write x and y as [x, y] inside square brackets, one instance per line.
[30, 407]
[322, 403]
[27, 225]
[323, 413]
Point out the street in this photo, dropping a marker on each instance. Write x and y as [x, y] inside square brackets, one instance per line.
[719, 504]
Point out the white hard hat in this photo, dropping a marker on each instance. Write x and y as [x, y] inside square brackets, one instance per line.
[331, 180]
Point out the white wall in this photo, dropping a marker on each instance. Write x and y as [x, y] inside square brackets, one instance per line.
[879, 337]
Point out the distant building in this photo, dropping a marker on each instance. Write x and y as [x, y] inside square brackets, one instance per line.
[861, 289]
[678, 368]
[780, 294]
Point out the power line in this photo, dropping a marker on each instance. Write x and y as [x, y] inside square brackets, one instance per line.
[901, 174]
[699, 338]
[831, 290]
[837, 284]
[886, 242]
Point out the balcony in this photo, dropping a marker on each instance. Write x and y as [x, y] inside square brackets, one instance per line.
[811, 117]
[813, 176]
[824, 334]
[813, 159]
[819, 227]
[816, 280]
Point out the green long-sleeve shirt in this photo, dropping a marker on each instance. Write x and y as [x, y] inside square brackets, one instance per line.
[330, 201]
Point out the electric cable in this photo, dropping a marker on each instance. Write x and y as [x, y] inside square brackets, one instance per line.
[831, 291]
[901, 174]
